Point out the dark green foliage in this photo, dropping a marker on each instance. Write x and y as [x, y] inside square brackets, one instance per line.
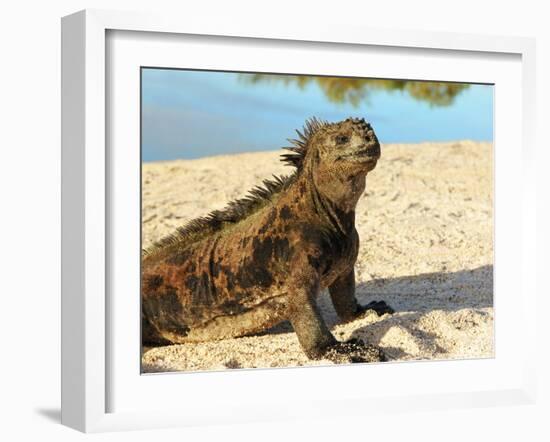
[356, 90]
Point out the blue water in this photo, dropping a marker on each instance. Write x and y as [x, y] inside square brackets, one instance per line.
[191, 114]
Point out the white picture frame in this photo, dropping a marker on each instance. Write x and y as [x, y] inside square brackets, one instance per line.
[86, 356]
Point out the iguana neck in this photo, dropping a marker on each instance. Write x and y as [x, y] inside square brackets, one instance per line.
[337, 214]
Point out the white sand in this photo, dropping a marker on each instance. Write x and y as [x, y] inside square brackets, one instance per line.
[425, 223]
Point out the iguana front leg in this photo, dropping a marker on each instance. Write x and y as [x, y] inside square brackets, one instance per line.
[342, 293]
[305, 317]
[313, 334]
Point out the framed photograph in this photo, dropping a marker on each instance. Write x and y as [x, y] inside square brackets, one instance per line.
[258, 220]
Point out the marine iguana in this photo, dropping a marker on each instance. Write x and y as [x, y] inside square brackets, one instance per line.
[265, 257]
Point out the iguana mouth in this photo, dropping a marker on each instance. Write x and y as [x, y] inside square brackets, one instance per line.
[373, 151]
[364, 155]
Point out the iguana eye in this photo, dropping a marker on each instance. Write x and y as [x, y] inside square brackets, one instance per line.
[342, 139]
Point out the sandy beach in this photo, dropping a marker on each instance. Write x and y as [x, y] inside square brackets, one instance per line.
[426, 228]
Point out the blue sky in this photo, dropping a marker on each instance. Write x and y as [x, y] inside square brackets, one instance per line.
[192, 114]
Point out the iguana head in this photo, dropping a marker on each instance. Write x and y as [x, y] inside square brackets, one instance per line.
[350, 144]
[336, 156]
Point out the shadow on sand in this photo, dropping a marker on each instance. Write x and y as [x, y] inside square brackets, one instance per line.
[414, 296]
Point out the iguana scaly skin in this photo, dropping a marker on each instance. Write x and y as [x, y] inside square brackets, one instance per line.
[265, 258]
